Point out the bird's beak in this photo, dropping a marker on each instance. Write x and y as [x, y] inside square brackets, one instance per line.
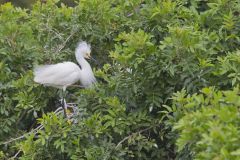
[92, 59]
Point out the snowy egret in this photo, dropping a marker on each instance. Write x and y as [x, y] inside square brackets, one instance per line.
[62, 75]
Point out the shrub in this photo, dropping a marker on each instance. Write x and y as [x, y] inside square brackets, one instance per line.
[209, 125]
[147, 51]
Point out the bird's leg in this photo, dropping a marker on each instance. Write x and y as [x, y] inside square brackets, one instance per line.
[64, 104]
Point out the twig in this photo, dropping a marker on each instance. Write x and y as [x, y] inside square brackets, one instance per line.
[15, 156]
[23, 136]
[57, 111]
[11, 140]
[64, 43]
[52, 30]
[129, 136]
[71, 103]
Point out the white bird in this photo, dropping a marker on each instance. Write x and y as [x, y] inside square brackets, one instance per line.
[62, 75]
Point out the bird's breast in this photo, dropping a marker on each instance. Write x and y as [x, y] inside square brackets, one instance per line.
[87, 77]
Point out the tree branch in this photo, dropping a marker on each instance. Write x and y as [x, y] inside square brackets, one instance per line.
[64, 43]
[57, 111]
[131, 135]
[15, 156]
[23, 136]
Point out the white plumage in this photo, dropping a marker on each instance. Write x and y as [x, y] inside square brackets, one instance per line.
[62, 75]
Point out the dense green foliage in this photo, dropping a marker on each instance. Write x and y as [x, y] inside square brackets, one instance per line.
[154, 99]
[210, 123]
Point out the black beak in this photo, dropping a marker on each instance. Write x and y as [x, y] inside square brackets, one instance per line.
[94, 60]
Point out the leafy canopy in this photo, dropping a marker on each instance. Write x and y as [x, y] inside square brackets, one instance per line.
[149, 103]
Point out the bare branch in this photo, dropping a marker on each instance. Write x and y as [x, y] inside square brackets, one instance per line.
[13, 139]
[34, 131]
[23, 136]
[57, 112]
[64, 43]
[15, 156]
[131, 135]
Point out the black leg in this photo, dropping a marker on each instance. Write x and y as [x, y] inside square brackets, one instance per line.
[63, 104]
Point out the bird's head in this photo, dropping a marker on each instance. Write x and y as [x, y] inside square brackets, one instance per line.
[83, 50]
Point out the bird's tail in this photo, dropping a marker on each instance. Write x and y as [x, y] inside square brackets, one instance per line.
[40, 72]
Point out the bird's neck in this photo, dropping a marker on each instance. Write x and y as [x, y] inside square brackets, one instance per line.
[83, 63]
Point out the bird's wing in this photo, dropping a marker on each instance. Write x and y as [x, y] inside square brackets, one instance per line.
[57, 74]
